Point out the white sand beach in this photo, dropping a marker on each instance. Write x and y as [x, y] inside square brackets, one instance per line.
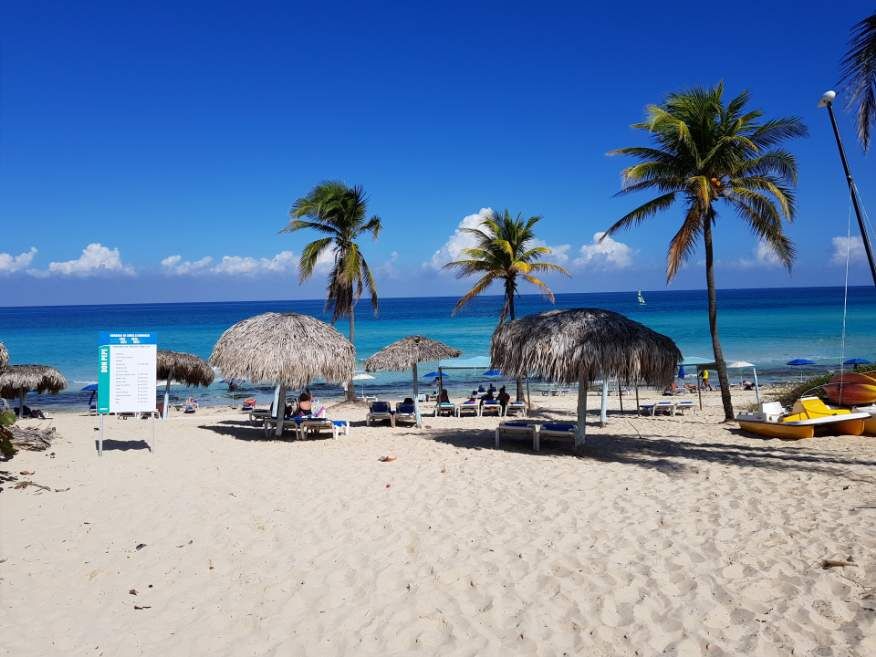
[670, 536]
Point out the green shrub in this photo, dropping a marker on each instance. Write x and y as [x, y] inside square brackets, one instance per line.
[7, 451]
[812, 386]
[7, 418]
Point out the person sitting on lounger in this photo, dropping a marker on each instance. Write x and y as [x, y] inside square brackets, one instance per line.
[305, 405]
[190, 405]
[503, 398]
[671, 389]
[443, 398]
[747, 385]
[488, 398]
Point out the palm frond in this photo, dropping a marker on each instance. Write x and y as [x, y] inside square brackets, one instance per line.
[858, 77]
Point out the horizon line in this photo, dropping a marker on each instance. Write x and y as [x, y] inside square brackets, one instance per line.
[446, 296]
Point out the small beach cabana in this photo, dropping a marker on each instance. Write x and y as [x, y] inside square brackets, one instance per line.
[182, 368]
[406, 353]
[285, 349]
[17, 380]
[581, 345]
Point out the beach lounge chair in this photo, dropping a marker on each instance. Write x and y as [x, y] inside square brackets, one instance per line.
[653, 408]
[563, 430]
[445, 408]
[516, 408]
[683, 405]
[379, 411]
[405, 412]
[491, 408]
[315, 427]
[472, 408]
[519, 428]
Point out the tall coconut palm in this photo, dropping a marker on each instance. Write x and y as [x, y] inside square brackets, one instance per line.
[708, 154]
[504, 252]
[340, 213]
[859, 76]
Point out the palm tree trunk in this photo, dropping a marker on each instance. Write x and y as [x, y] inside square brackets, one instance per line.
[512, 315]
[351, 391]
[720, 366]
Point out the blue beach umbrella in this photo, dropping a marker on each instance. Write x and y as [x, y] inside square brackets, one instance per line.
[92, 388]
[681, 372]
[800, 362]
[492, 373]
[856, 361]
[435, 375]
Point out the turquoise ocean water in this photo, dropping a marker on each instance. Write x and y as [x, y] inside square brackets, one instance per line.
[767, 327]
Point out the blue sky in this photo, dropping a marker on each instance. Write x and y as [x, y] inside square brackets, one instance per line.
[135, 135]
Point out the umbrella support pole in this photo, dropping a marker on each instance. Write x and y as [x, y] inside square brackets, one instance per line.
[756, 386]
[638, 406]
[699, 389]
[603, 406]
[280, 410]
[164, 411]
[620, 396]
[581, 428]
[416, 396]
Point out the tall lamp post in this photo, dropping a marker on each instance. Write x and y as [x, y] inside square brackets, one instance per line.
[827, 101]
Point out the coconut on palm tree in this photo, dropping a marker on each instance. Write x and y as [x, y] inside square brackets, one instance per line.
[859, 76]
[338, 212]
[707, 155]
[505, 252]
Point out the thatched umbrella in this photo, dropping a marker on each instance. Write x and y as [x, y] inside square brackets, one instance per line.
[182, 368]
[18, 380]
[581, 345]
[407, 352]
[4, 356]
[286, 349]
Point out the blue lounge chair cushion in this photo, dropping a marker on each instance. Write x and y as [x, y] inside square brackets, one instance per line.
[558, 426]
[517, 423]
[379, 407]
[405, 409]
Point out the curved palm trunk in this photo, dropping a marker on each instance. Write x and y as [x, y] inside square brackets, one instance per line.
[512, 315]
[351, 391]
[720, 366]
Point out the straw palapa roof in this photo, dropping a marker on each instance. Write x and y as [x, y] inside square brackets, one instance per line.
[184, 368]
[40, 378]
[559, 345]
[286, 348]
[4, 356]
[402, 354]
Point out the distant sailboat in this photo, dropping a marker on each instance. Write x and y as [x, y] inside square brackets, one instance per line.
[640, 298]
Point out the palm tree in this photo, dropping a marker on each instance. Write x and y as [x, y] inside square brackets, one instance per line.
[504, 252]
[859, 76]
[339, 212]
[706, 152]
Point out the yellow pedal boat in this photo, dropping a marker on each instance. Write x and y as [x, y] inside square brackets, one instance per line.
[809, 417]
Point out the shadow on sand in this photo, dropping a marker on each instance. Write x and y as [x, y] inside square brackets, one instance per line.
[671, 456]
[111, 445]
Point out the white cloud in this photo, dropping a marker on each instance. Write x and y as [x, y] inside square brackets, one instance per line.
[459, 240]
[559, 254]
[851, 246]
[763, 256]
[12, 263]
[176, 265]
[285, 261]
[325, 261]
[95, 259]
[388, 268]
[605, 253]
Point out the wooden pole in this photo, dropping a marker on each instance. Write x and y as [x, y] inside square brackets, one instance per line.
[581, 428]
[620, 396]
[280, 410]
[603, 407]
